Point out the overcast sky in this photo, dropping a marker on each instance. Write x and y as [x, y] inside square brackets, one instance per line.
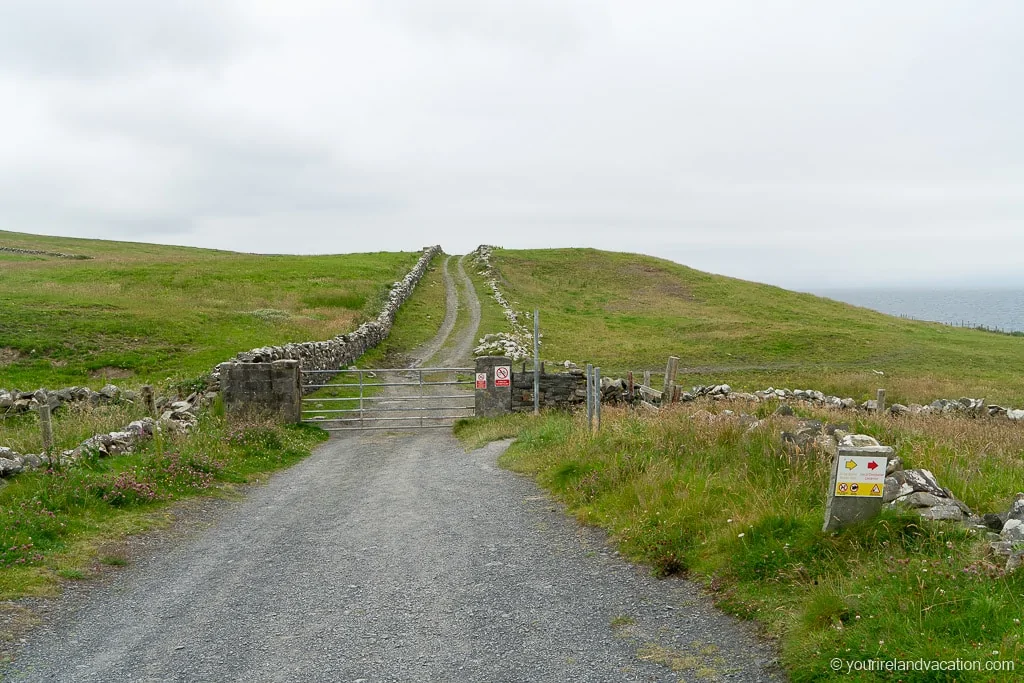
[808, 144]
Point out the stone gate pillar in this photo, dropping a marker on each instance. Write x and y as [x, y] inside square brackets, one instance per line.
[493, 386]
[262, 389]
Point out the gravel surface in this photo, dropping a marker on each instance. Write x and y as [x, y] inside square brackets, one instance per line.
[391, 557]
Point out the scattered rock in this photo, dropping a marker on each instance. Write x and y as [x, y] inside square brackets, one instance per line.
[943, 512]
[1017, 508]
[993, 521]
[858, 441]
[784, 410]
[921, 499]
[1012, 531]
[9, 467]
[918, 490]
[747, 421]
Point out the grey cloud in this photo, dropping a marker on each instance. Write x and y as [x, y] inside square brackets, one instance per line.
[99, 38]
[548, 27]
[791, 142]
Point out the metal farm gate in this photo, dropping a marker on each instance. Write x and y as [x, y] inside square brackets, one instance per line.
[387, 398]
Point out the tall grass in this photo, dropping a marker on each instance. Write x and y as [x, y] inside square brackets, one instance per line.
[72, 424]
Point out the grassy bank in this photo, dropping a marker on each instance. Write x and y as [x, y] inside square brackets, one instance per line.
[56, 522]
[136, 313]
[688, 493]
[630, 312]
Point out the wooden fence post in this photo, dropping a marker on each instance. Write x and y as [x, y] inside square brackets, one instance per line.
[670, 378]
[148, 400]
[647, 379]
[536, 362]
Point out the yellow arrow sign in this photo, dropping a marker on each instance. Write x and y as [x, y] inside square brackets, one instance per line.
[851, 465]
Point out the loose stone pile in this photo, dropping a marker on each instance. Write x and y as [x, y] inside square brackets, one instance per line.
[176, 416]
[1010, 526]
[967, 407]
[517, 344]
[38, 252]
[15, 401]
[101, 445]
[913, 490]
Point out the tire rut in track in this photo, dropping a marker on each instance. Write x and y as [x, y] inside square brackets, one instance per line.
[451, 312]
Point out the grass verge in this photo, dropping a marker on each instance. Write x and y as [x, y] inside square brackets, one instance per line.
[685, 492]
[57, 524]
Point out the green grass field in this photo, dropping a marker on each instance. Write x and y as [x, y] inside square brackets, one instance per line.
[62, 525]
[136, 313]
[630, 312]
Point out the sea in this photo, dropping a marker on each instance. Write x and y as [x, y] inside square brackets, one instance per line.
[998, 309]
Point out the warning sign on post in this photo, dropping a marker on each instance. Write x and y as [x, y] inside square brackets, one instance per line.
[861, 476]
[502, 375]
[481, 380]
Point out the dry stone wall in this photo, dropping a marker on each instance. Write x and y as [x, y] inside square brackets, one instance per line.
[181, 415]
[557, 389]
[343, 350]
[518, 343]
[39, 252]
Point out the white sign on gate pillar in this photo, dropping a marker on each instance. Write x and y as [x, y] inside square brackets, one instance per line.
[495, 396]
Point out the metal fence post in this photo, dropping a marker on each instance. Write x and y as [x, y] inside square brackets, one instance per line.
[536, 361]
[590, 396]
[597, 397]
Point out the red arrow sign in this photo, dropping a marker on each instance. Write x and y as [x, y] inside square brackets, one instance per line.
[872, 465]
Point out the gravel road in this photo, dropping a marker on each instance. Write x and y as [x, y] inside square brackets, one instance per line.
[391, 557]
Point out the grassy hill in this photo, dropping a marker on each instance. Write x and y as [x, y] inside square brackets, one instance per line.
[695, 489]
[630, 312]
[142, 312]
